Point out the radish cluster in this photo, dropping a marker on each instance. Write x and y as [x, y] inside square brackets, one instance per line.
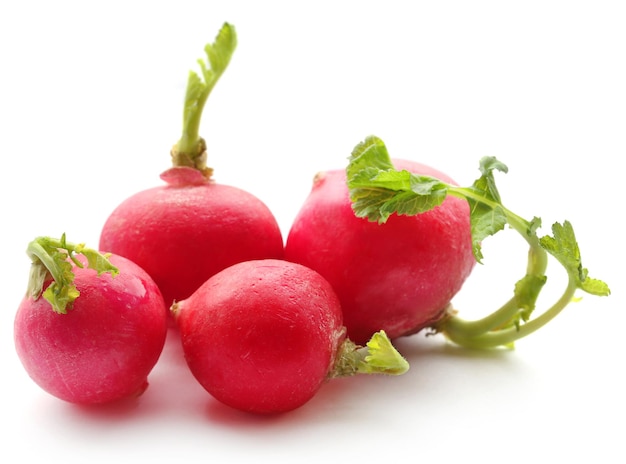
[261, 334]
[377, 251]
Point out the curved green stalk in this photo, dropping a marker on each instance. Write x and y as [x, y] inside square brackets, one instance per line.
[54, 259]
[377, 190]
[506, 337]
[190, 150]
[456, 327]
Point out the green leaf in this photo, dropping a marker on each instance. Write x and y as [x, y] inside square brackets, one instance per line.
[484, 222]
[371, 203]
[219, 54]
[371, 154]
[564, 247]
[487, 184]
[99, 262]
[61, 297]
[377, 190]
[487, 215]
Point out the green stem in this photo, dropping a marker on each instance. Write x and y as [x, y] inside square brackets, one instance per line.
[190, 151]
[536, 267]
[42, 260]
[506, 337]
[456, 326]
[379, 356]
[54, 259]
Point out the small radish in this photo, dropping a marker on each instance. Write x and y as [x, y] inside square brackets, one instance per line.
[263, 336]
[400, 270]
[91, 326]
[398, 277]
[185, 231]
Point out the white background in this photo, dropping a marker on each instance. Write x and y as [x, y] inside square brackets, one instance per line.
[91, 103]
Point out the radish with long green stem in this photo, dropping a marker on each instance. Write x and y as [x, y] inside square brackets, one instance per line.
[91, 326]
[185, 231]
[382, 196]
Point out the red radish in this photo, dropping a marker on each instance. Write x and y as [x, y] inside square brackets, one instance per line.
[398, 276]
[91, 327]
[397, 239]
[184, 232]
[263, 336]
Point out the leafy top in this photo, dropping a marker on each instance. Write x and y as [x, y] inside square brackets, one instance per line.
[191, 148]
[377, 190]
[55, 259]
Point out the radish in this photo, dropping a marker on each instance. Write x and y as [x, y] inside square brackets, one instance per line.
[183, 232]
[398, 278]
[397, 240]
[91, 327]
[263, 336]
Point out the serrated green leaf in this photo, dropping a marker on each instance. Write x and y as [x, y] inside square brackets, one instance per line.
[372, 177]
[218, 56]
[410, 204]
[487, 165]
[369, 204]
[377, 190]
[61, 296]
[564, 247]
[99, 262]
[595, 287]
[370, 154]
[484, 222]
[221, 50]
[487, 215]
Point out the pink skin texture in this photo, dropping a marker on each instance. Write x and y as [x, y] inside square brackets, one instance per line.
[261, 336]
[184, 232]
[103, 349]
[397, 276]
